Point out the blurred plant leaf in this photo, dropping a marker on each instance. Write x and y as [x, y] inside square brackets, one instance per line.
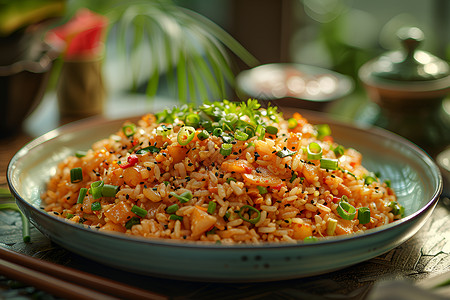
[187, 47]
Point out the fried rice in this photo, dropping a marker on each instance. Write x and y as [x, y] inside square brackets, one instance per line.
[224, 172]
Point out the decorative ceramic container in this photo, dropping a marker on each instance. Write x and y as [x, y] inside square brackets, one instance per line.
[410, 85]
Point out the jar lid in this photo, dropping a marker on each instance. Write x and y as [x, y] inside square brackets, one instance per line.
[409, 64]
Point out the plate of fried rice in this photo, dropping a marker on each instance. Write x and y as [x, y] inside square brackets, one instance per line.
[226, 191]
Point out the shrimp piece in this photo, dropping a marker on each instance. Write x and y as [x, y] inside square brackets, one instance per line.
[311, 173]
[238, 166]
[262, 180]
[301, 231]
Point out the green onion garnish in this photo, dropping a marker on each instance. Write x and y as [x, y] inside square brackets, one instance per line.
[339, 150]
[129, 130]
[109, 190]
[387, 182]
[250, 131]
[314, 151]
[132, 221]
[80, 153]
[396, 208]
[294, 176]
[192, 120]
[96, 189]
[262, 189]
[310, 239]
[203, 135]
[185, 135]
[211, 207]
[226, 149]
[271, 130]
[139, 211]
[346, 211]
[96, 206]
[163, 130]
[183, 198]
[25, 223]
[69, 216]
[173, 208]
[285, 152]
[175, 217]
[76, 175]
[151, 149]
[217, 131]
[292, 123]
[230, 179]
[240, 135]
[81, 195]
[250, 210]
[329, 163]
[363, 215]
[331, 226]
[261, 132]
[323, 130]
[369, 179]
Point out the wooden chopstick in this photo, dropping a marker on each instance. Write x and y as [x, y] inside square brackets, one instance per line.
[66, 282]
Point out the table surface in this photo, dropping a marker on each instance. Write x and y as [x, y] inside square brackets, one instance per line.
[423, 256]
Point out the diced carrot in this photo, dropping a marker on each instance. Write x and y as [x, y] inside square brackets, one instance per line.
[119, 213]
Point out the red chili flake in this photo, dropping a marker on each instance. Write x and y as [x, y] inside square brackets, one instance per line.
[278, 186]
[336, 199]
[131, 161]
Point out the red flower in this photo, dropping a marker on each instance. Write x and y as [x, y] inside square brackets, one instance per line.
[81, 37]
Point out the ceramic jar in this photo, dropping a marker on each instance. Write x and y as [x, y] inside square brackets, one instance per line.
[410, 86]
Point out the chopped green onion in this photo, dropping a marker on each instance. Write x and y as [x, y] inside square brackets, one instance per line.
[292, 123]
[331, 226]
[261, 132]
[96, 189]
[183, 198]
[329, 163]
[69, 216]
[369, 179]
[262, 189]
[151, 149]
[185, 135]
[226, 149]
[25, 223]
[227, 138]
[396, 208]
[211, 207]
[217, 131]
[387, 182]
[175, 217]
[173, 208]
[192, 120]
[129, 130]
[203, 135]
[310, 239]
[166, 183]
[249, 209]
[363, 215]
[346, 211]
[132, 221]
[80, 153]
[271, 130]
[230, 179]
[139, 211]
[163, 130]
[240, 136]
[285, 152]
[109, 190]
[96, 206]
[323, 130]
[81, 195]
[250, 131]
[76, 175]
[344, 198]
[314, 151]
[339, 150]
[294, 176]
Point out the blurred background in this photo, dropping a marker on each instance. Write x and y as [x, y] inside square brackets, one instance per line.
[160, 53]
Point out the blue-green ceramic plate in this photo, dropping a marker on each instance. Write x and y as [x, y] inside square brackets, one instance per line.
[413, 174]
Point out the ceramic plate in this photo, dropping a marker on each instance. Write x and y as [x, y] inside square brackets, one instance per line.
[413, 174]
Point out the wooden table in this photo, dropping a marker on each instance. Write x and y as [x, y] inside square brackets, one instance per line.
[425, 255]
